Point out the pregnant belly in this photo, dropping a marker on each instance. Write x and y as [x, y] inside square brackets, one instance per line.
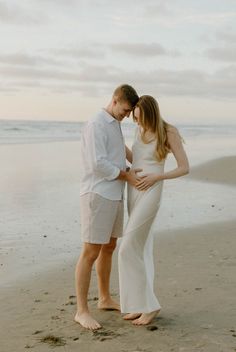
[149, 169]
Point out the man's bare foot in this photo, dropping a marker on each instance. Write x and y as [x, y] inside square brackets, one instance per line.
[146, 318]
[87, 321]
[108, 304]
[131, 316]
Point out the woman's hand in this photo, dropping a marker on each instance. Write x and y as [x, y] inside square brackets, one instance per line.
[147, 181]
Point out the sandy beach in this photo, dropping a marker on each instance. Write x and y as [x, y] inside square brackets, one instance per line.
[194, 254]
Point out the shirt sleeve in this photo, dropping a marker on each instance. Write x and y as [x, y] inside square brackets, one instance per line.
[101, 164]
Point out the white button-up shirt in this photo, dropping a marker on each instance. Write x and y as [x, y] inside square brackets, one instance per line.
[102, 157]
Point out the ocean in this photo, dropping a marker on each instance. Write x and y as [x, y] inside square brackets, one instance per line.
[27, 131]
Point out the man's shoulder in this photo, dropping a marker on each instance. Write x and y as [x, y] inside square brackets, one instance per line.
[95, 123]
[97, 119]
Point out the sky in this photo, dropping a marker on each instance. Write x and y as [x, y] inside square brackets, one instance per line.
[62, 59]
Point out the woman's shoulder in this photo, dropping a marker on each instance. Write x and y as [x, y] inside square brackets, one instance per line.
[172, 130]
[173, 135]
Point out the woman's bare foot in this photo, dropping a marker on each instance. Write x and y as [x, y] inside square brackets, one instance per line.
[131, 316]
[108, 304]
[87, 321]
[146, 318]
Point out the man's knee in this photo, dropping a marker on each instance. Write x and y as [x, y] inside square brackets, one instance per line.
[90, 252]
[110, 247]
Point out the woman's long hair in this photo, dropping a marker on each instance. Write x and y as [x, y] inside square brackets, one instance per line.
[151, 121]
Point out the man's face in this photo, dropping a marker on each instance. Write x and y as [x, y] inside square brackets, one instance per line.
[121, 109]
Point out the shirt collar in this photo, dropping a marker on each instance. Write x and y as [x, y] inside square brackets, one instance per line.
[107, 117]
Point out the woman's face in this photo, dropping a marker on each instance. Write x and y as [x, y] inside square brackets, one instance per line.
[137, 115]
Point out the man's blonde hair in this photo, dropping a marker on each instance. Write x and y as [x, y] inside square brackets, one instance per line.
[126, 93]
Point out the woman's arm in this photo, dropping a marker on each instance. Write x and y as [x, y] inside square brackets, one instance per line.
[129, 156]
[182, 168]
[178, 151]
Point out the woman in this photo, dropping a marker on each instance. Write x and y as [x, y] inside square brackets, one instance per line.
[154, 139]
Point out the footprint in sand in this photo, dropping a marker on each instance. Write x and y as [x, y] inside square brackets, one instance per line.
[152, 327]
[37, 332]
[103, 335]
[53, 340]
[55, 317]
[70, 303]
[28, 346]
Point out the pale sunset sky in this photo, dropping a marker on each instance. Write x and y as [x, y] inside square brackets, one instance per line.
[62, 59]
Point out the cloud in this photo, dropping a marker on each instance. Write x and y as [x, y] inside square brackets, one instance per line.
[143, 49]
[18, 59]
[54, 57]
[225, 54]
[158, 9]
[213, 18]
[73, 56]
[226, 37]
[17, 15]
[5, 89]
[93, 51]
[188, 16]
[38, 73]
[60, 2]
[97, 79]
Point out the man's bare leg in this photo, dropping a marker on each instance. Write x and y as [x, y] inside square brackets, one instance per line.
[103, 268]
[89, 254]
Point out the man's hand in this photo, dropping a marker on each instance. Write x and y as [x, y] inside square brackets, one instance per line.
[146, 181]
[132, 178]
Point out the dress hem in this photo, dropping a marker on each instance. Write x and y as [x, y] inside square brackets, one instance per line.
[133, 311]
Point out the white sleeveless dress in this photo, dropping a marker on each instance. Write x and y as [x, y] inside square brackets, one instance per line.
[136, 270]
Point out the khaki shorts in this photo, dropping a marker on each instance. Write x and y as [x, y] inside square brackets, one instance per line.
[101, 218]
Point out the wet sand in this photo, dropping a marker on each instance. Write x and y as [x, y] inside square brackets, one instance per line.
[221, 170]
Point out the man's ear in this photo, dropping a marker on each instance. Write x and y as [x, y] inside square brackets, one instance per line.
[115, 100]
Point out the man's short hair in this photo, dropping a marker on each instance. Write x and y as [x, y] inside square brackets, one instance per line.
[126, 93]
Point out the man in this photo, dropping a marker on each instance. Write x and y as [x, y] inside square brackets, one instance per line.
[102, 184]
